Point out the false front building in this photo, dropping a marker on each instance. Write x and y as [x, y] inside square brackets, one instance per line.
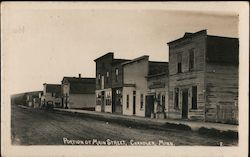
[157, 97]
[51, 95]
[203, 78]
[109, 84]
[78, 93]
[137, 98]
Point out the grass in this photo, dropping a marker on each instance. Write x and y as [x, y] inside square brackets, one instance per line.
[218, 133]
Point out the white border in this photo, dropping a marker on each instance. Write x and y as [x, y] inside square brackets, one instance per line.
[241, 8]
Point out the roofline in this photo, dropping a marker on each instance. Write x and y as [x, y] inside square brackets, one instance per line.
[160, 74]
[80, 77]
[136, 59]
[122, 61]
[157, 62]
[189, 36]
[50, 84]
[222, 37]
[196, 33]
[109, 53]
[31, 92]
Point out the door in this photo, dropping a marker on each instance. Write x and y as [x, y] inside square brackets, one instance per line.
[134, 104]
[149, 105]
[185, 103]
[102, 101]
[114, 103]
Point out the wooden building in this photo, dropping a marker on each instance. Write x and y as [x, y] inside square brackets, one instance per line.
[31, 96]
[78, 93]
[157, 97]
[109, 83]
[203, 78]
[136, 99]
[51, 95]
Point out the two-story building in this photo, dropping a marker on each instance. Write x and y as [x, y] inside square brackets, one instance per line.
[203, 78]
[109, 83]
[136, 97]
[51, 95]
[33, 99]
[78, 93]
[157, 97]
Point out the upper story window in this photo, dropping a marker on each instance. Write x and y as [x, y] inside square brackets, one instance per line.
[191, 59]
[107, 77]
[116, 74]
[99, 78]
[134, 92]
[179, 63]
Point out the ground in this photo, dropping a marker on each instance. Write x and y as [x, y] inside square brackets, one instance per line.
[40, 127]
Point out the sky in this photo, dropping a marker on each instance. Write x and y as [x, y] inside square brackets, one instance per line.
[42, 45]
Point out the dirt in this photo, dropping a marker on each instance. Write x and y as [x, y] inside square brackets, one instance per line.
[40, 127]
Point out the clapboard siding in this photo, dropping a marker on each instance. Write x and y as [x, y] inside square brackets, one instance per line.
[187, 78]
[221, 93]
[192, 79]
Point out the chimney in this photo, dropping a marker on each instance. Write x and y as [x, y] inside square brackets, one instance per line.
[79, 75]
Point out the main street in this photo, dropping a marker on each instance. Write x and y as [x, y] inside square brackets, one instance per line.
[40, 127]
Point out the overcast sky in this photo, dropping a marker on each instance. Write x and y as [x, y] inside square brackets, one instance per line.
[46, 44]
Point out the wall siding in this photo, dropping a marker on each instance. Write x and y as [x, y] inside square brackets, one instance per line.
[83, 101]
[221, 93]
[159, 85]
[187, 78]
[135, 73]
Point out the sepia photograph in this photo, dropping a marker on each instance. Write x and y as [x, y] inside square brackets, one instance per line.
[124, 78]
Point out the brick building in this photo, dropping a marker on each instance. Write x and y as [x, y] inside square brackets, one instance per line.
[203, 78]
[78, 93]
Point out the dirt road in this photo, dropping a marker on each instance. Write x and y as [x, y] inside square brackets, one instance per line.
[39, 127]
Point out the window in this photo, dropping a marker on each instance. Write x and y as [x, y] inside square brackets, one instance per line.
[98, 98]
[134, 92]
[163, 100]
[127, 101]
[179, 60]
[194, 97]
[176, 102]
[116, 74]
[108, 98]
[99, 78]
[141, 101]
[191, 59]
[158, 99]
[107, 78]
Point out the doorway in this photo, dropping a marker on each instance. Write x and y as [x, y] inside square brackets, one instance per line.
[185, 104]
[102, 101]
[149, 105]
[134, 102]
